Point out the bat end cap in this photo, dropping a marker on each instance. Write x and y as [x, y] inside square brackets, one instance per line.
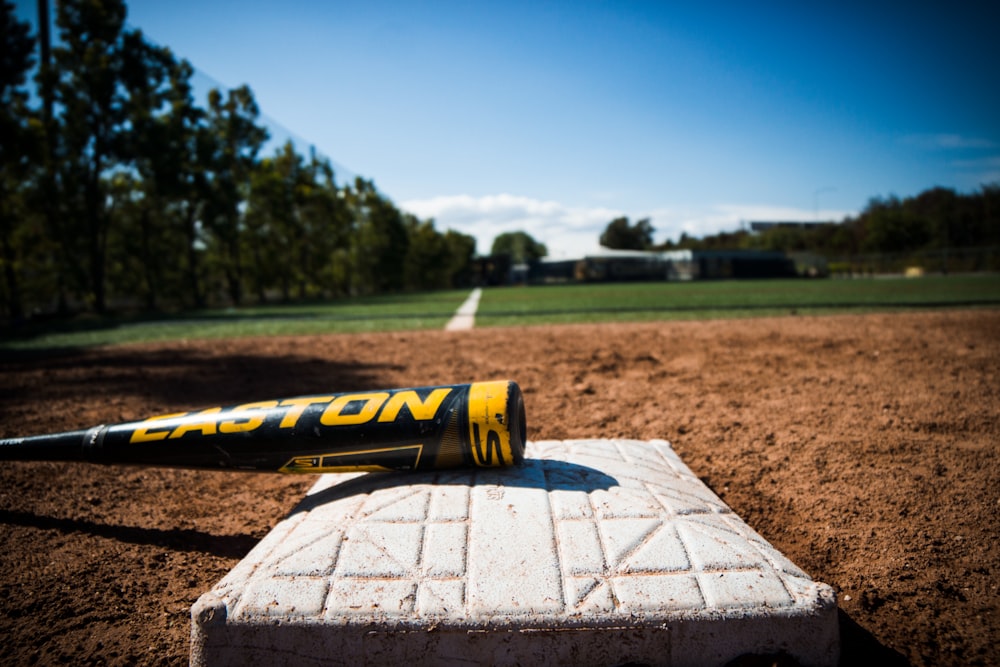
[518, 423]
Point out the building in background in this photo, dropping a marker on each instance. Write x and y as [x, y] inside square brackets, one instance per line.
[680, 265]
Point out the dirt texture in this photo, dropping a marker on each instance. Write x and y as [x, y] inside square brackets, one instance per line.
[863, 447]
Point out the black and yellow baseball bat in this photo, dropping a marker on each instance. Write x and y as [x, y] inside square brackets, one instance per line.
[422, 428]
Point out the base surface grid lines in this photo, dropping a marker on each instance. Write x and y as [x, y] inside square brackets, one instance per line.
[593, 552]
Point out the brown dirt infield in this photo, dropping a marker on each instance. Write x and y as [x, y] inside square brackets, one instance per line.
[864, 447]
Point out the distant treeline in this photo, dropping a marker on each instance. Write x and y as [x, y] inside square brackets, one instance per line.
[117, 188]
[955, 228]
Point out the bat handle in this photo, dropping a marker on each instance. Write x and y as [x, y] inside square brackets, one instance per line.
[68, 446]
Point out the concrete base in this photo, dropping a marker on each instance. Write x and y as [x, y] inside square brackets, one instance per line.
[594, 552]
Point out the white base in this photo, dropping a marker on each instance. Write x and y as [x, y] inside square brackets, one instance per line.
[594, 552]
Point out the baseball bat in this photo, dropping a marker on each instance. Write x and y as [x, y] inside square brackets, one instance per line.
[423, 428]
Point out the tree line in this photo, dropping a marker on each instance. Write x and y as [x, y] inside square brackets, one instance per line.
[937, 220]
[117, 187]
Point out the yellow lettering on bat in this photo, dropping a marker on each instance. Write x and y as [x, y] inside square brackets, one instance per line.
[297, 407]
[333, 416]
[421, 410]
[144, 432]
[250, 417]
[204, 426]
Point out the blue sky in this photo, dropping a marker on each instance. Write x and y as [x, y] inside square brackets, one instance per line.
[556, 117]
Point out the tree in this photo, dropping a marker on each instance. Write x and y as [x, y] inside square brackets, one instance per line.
[182, 174]
[148, 235]
[461, 253]
[519, 246]
[890, 227]
[427, 263]
[88, 89]
[435, 260]
[16, 150]
[233, 140]
[281, 238]
[380, 241]
[621, 235]
[120, 186]
[326, 222]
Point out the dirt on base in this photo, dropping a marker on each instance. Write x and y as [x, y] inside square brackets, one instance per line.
[863, 447]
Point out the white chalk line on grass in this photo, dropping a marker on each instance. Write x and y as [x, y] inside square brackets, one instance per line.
[465, 317]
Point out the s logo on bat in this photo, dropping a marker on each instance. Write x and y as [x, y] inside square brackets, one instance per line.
[489, 435]
[366, 460]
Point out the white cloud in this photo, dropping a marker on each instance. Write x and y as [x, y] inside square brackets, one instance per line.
[566, 230]
[947, 141]
[976, 168]
[980, 172]
[572, 231]
[992, 162]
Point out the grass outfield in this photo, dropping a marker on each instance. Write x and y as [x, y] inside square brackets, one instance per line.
[384, 313]
[509, 306]
[730, 299]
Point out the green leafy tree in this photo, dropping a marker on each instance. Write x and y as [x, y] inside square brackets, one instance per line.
[890, 227]
[19, 146]
[181, 172]
[435, 260]
[88, 90]
[124, 187]
[428, 261]
[987, 211]
[379, 241]
[326, 222]
[148, 237]
[519, 246]
[297, 224]
[620, 234]
[233, 141]
[932, 222]
[461, 254]
[276, 234]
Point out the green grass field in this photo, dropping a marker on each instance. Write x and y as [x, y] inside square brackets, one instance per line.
[510, 306]
[384, 313]
[730, 299]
